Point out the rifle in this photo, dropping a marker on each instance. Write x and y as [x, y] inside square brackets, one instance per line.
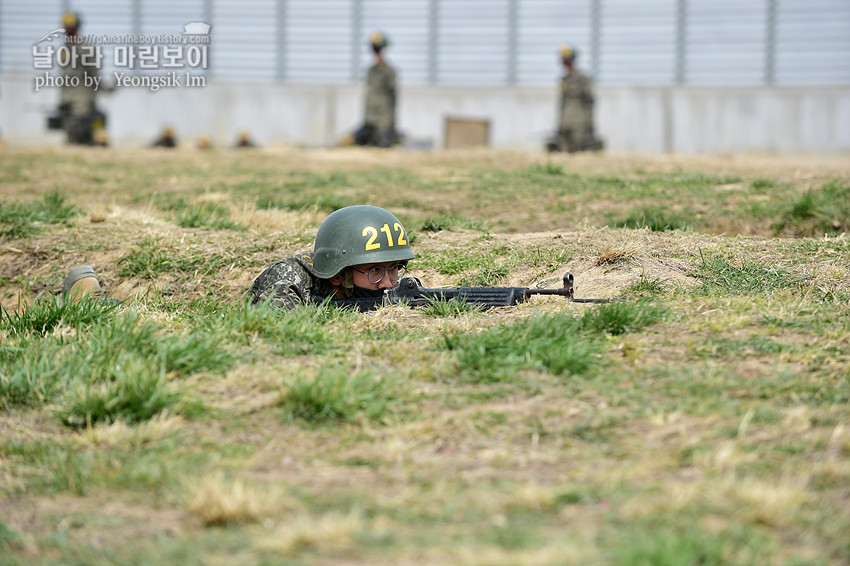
[410, 291]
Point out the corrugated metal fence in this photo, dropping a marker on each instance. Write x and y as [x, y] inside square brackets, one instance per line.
[478, 42]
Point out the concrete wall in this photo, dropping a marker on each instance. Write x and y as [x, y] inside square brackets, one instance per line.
[635, 119]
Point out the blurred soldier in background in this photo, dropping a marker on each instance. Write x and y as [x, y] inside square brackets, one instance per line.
[378, 127]
[78, 114]
[204, 142]
[244, 140]
[167, 138]
[575, 111]
[100, 138]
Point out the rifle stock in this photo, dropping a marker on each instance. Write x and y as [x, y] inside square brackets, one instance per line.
[410, 291]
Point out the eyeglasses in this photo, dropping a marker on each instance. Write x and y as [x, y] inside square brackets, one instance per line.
[376, 274]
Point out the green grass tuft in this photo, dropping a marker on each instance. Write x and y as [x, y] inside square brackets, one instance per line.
[552, 343]
[548, 168]
[451, 262]
[622, 317]
[762, 183]
[299, 203]
[9, 539]
[20, 220]
[487, 276]
[47, 312]
[449, 223]
[149, 260]
[33, 371]
[656, 219]
[665, 548]
[338, 394]
[193, 215]
[454, 307]
[722, 346]
[720, 276]
[555, 343]
[206, 215]
[178, 354]
[303, 329]
[646, 286]
[825, 210]
[139, 392]
[114, 369]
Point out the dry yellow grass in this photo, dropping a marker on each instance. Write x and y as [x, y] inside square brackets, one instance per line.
[626, 252]
[122, 436]
[331, 533]
[220, 500]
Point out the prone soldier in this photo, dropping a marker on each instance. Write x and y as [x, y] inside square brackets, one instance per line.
[359, 256]
[359, 252]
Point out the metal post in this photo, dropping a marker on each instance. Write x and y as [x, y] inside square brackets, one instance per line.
[2, 69]
[770, 44]
[208, 11]
[282, 36]
[433, 37]
[356, 38]
[595, 32]
[208, 18]
[681, 41]
[136, 17]
[513, 25]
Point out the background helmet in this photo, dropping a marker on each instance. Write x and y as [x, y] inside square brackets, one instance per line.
[378, 40]
[359, 234]
[568, 52]
[71, 20]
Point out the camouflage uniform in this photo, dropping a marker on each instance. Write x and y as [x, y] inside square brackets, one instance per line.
[575, 126]
[289, 282]
[80, 118]
[379, 117]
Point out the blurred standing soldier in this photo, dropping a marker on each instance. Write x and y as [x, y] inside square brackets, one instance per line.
[80, 118]
[378, 127]
[575, 119]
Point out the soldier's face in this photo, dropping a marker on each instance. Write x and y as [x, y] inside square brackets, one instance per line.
[361, 275]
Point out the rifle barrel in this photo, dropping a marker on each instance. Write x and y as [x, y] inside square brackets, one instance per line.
[563, 292]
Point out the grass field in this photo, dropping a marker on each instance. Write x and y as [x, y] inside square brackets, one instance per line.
[703, 422]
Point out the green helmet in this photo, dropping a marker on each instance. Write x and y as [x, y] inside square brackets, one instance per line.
[378, 39]
[356, 235]
[568, 52]
[71, 20]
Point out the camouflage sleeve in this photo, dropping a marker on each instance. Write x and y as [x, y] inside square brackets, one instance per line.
[283, 284]
[391, 81]
[82, 66]
[587, 89]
